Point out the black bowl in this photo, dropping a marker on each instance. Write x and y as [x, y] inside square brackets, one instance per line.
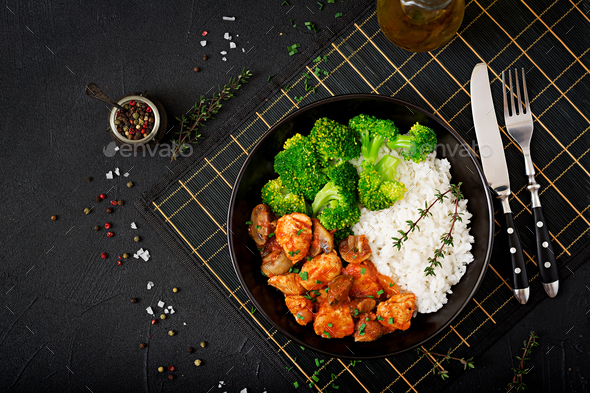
[258, 169]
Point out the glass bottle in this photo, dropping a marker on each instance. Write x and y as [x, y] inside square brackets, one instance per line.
[420, 25]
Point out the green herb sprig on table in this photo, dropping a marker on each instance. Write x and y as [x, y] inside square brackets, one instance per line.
[203, 110]
[517, 384]
[446, 239]
[444, 374]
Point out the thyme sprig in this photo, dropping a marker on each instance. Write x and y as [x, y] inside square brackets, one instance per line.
[446, 239]
[203, 110]
[520, 371]
[444, 374]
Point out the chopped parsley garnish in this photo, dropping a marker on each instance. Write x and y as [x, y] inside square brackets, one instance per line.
[296, 384]
[263, 273]
[379, 318]
[258, 227]
[363, 270]
[296, 252]
[318, 282]
[367, 319]
[317, 362]
[290, 270]
[380, 292]
[311, 384]
[293, 48]
[295, 270]
[372, 297]
[317, 59]
[391, 284]
[299, 231]
[361, 330]
[302, 348]
[248, 223]
[287, 88]
[315, 378]
[326, 290]
[285, 3]
[303, 275]
[292, 24]
[338, 15]
[354, 257]
[309, 258]
[270, 76]
[252, 310]
[331, 1]
[326, 56]
[390, 321]
[289, 368]
[356, 312]
[321, 5]
[271, 235]
[260, 249]
[327, 334]
[329, 325]
[299, 316]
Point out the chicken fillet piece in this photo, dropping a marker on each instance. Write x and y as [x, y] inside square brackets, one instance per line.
[287, 283]
[397, 311]
[294, 235]
[301, 308]
[318, 272]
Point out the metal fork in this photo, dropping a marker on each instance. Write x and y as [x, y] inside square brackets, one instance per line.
[519, 123]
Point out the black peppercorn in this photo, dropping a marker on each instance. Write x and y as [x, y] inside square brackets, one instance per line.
[53, 218]
[109, 210]
[97, 228]
[171, 377]
[120, 203]
[190, 350]
[88, 178]
[134, 300]
[204, 57]
[97, 199]
[142, 345]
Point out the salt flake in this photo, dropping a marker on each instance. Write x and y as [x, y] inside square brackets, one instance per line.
[232, 45]
[126, 174]
[166, 311]
[149, 311]
[223, 52]
[244, 390]
[203, 43]
[172, 310]
[227, 36]
[117, 172]
[169, 307]
[224, 59]
[161, 304]
[109, 175]
[133, 226]
[243, 50]
[150, 285]
[230, 18]
[116, 148]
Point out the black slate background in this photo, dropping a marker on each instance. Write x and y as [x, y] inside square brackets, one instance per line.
[66, 323]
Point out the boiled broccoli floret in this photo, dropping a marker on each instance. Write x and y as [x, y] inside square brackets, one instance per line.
[281, 200]
[299, 167]
[417, 144]
[378, 188]
[372, 132]
[342, 234]
[336, 203]
[333, 141]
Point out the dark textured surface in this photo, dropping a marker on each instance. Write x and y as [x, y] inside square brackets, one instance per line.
[76, 305]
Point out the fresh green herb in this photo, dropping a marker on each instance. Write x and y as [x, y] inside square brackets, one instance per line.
[318, 282]
[252, 310]
[271, 235]
[315, 378]
[391, 284]
[203, 110]
[363, 270]
[263, 273]
[326, 56]
[311, 384]
[298, 99]
[367, 319]
[260, 249]
[296, 252]
[322, 361]
[354, 362]
[361, 330]
[258, 227]
[287, 88]
[321, 5]
[380, 292]
[317, 293]
[309, 258]
[356, 312]
[300, 316]
[370, 296]
[520, 371]
[338, 15]
[270, 76]
[296, 384]
[293, 49]
[289, 368]
[299, 231]
[379, 318]
[302, 348]
[285, 3]
[290, 270]
[354, 257]
[292, 22]
[327, 334]
[335, 386]
[329, 325]
[294, 358]
[390, 321]
[295, 270]
[317, 362]
[317, 59]
[303, 276]
[331, 1]
[444, 374]
[326, 290]
[248, 223]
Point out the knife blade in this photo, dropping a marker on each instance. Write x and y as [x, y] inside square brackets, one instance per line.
[491, 151]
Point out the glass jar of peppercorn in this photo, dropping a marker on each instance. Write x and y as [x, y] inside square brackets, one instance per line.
[138, 124]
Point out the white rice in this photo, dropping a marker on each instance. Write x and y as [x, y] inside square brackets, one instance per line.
[406, 266]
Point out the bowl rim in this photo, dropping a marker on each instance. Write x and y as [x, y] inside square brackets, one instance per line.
[113, 114]
[344, 97]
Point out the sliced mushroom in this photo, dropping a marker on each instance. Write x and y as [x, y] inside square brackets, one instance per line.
[322, 239]
[361, 306]
[276, 263]
[338, 289]
[355, 249]
[260, 228]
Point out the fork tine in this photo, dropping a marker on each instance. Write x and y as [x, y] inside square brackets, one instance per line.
[504, 95]
[518, 100]
[511, 93]
[527, 106]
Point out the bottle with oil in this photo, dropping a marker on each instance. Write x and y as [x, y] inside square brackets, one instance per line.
[420, 25]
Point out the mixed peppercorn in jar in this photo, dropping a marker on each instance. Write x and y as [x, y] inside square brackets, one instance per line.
[136, 122]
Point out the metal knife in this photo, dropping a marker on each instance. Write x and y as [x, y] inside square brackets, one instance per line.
[493, 160]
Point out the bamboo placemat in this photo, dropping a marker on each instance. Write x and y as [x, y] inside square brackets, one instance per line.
[188, 207]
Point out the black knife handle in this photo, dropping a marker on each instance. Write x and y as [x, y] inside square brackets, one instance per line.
[545, 255]
[519, 274]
